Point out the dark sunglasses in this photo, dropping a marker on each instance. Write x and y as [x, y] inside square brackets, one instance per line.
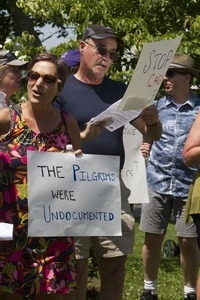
[103, 51]
[48, 79]
[171, 73]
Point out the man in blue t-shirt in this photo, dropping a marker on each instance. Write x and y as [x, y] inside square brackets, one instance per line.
[86, 94]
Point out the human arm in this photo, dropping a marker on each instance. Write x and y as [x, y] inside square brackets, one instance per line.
[4, 120]
[74, 134]
[191, 150]
[92, 130]
[148, 123]
[148, 115]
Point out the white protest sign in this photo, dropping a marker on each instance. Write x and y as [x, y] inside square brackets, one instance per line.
[73, 196]
[134, 170]
[149, 73]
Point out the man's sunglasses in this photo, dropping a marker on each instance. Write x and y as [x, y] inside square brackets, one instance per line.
[171, 73]
[103, 51]
[48, 79]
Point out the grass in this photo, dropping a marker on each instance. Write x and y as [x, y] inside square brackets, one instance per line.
[170, 281]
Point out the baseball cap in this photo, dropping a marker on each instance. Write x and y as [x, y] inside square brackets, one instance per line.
[71, 57]
[9, 58]
[98, 32]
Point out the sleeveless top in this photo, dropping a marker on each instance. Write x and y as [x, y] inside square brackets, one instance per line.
[30, 266]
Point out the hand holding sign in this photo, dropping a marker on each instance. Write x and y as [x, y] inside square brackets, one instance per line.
[148, 74]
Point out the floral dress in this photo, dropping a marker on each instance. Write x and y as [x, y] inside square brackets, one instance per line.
[28, 265]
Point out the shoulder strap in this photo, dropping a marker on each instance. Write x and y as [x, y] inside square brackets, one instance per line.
[13, 110]
[64, 118]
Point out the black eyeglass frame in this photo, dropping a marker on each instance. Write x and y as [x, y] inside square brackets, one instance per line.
[103, 51]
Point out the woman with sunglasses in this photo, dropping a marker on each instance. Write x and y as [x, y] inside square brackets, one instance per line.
[10, 76]
[34, 268]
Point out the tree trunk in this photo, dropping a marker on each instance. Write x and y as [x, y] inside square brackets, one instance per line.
[22, 22]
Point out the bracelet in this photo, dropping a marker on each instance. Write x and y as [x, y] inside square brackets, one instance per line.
[152, 125]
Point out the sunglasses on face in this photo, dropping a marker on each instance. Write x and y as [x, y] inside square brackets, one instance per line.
[48, 79]
[103, 51]
[171, 73]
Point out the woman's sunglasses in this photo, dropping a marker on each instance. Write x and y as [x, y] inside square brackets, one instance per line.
[48, 79]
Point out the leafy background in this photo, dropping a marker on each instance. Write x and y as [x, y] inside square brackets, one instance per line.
[136, 22]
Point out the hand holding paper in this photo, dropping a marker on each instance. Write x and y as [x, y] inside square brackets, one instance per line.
[92, 130]
[113, 118]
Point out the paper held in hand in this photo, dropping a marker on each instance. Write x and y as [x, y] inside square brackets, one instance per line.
[115, 119]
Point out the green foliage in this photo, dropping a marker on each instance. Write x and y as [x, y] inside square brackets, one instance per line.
[170, 273]
[5, 21]
[136, 22]
[63, 47]
[45, 10]
[27, 48]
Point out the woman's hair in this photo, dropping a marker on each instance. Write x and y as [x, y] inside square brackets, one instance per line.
[58, 63]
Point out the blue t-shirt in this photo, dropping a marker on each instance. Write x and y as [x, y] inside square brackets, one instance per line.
[85, 101]
[166, 172]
